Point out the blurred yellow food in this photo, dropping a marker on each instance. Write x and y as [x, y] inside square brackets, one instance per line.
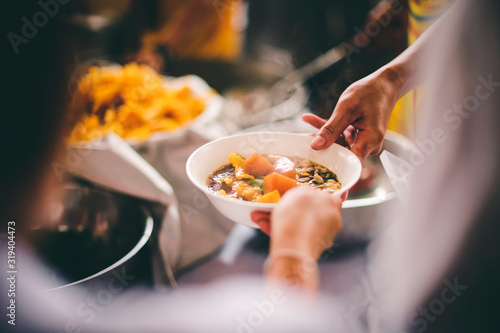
[132, 102]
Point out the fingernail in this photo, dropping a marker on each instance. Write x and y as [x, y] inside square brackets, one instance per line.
[319, 141]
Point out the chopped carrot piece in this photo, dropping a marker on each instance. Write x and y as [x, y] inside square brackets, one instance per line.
[257, 166]
[271, 197]
[275, 181]
[285, 167]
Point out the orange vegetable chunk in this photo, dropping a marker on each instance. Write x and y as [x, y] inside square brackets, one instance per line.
[285, 167]
[275, 181]
[271, 197]
[257, 166]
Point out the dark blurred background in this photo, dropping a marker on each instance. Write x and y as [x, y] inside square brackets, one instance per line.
[276, 36]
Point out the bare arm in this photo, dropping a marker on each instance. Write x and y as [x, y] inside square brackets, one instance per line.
[363, 110]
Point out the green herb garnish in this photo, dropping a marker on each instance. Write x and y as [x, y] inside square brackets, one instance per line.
[259, 183]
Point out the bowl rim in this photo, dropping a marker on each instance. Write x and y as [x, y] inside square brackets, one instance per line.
[258, 205]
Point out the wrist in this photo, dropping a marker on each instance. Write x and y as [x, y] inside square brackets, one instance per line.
[296, 257]
[292, 268]
[299, 244]
[397, 77]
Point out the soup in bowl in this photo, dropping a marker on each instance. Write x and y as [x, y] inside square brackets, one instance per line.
[267, 164]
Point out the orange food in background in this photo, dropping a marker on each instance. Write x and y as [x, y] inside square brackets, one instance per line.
[132, 102]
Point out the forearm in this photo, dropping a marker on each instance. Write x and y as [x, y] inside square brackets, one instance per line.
[402, 72]
[295, 273]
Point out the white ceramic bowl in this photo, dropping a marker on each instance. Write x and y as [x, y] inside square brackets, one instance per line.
[214, 154]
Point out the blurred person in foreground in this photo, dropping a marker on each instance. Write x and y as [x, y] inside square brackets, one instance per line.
[434, 270]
